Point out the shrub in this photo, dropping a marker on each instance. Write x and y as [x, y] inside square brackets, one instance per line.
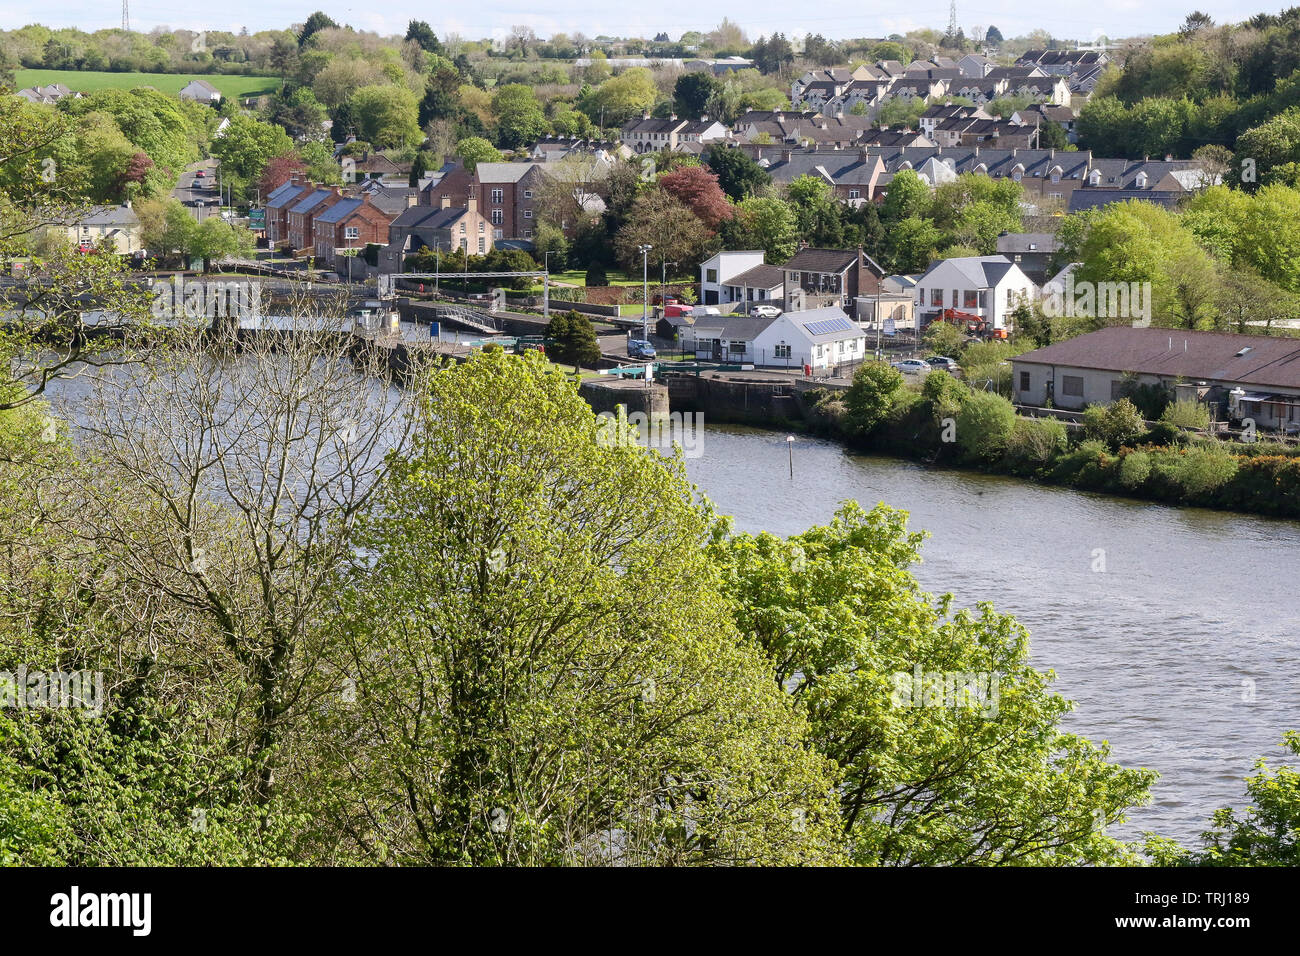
[596, 276]
[1201, 470]
[1151, 400]
[984, 425]
[1035, 443]
[1116, 424]
[992, 377]
[1134, 469]
[1087, 466]
[875, 385]
[944, 338]
[1186, 415]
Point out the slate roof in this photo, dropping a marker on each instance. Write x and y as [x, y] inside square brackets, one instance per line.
[759, 277]
[285, 195]
[1272, 361]
[311, 200]
[1021, 242]
[428, 217]
[983, 272]
[503, 172]
[339, 211]
[831, 261]
[1085, 198]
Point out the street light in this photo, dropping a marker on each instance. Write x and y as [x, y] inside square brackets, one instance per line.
[663, 276]
[546, 259]
[645, 291]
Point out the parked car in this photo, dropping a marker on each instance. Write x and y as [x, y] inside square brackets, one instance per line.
[701, 311]
[913, 366]
[640, 349]
[944, 364]
[764, 312]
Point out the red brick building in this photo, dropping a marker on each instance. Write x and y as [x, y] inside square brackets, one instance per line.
[347, 226]
[303, 213]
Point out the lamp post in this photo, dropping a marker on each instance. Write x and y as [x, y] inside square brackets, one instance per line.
[645, 291]
[789, 444]
[663, 279]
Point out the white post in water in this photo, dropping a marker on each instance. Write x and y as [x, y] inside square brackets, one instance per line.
[789, 444]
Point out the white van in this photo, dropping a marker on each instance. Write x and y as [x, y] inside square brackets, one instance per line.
[700, 311]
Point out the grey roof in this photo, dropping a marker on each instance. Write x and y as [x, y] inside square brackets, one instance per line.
[340, 210]
[286, 195]
[107, 216]
[428, 217]
[821, 260]
[311, 200]
[503, 172]
[997, 161]
[759, 277]
[837, 166]
[829, 324]
[1019, 242]
[1084, 198]
[983, 272]
[1272, 361]
[735, 328]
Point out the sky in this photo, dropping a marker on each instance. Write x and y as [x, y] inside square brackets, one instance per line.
[1114, 18]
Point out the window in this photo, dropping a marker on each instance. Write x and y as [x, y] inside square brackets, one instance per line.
[497, 233]
[528, 234]
[936, 297]
[351, 232]
[528, 194]
[1011, 298]
[482, 227]
[839, 347]
[781, 351]
[983, 299]
[498, 217]
[736, 348]
[498, 196]
[1072, 385]
[970, 299]
[481, 248]
[528, 214]
[853, 194]
[1024, 381]
[711, 275]
[954, 298]
[1116, 389]
[1094, 178]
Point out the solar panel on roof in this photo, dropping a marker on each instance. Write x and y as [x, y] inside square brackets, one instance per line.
[829, 325]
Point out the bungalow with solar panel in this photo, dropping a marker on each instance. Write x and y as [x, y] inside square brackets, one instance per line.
[819, 339]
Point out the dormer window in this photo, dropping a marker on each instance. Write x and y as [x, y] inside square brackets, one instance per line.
[1094, 178]
[1142, 180]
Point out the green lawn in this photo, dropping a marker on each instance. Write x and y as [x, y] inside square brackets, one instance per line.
[88, 81]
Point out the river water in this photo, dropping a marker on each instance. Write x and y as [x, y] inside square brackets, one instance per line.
[1182, 652]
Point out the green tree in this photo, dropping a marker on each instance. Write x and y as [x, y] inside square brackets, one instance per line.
[873, 392]
[984, 425]
[474, 150]
[387, 116]
[1267, 833]
[767, 223]
[519, 115]
[923, 780]
[245, 148]
[738, 175]
[568, 669]
[674, 232]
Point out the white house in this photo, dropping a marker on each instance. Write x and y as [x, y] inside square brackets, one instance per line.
[990, 287]
[818, 339]
[718, 269]
[201, 91]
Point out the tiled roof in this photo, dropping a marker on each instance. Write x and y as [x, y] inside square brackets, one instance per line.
[759, 277]
[821, 260]
[339, 211]
[1271, 361]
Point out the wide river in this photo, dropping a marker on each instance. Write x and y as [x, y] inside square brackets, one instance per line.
[1182, 653]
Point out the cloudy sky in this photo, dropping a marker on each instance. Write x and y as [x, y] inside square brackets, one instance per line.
[1083, 21]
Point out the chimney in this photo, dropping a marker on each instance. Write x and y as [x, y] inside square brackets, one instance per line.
[672, 116]
[471, 203]
[1169, 157]
[445, 203]
[787, 155]
[645, 114]
[864, 154]
[704, 117]
[412, 199]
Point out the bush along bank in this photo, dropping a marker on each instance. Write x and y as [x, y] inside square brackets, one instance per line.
[1113, 449]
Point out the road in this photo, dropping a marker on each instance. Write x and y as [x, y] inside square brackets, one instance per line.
[199, 193]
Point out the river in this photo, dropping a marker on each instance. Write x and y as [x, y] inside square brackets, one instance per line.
[1181, 652]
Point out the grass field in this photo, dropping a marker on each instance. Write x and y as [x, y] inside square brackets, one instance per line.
[86, 81]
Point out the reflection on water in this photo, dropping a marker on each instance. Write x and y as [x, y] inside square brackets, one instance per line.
[1194, 614]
